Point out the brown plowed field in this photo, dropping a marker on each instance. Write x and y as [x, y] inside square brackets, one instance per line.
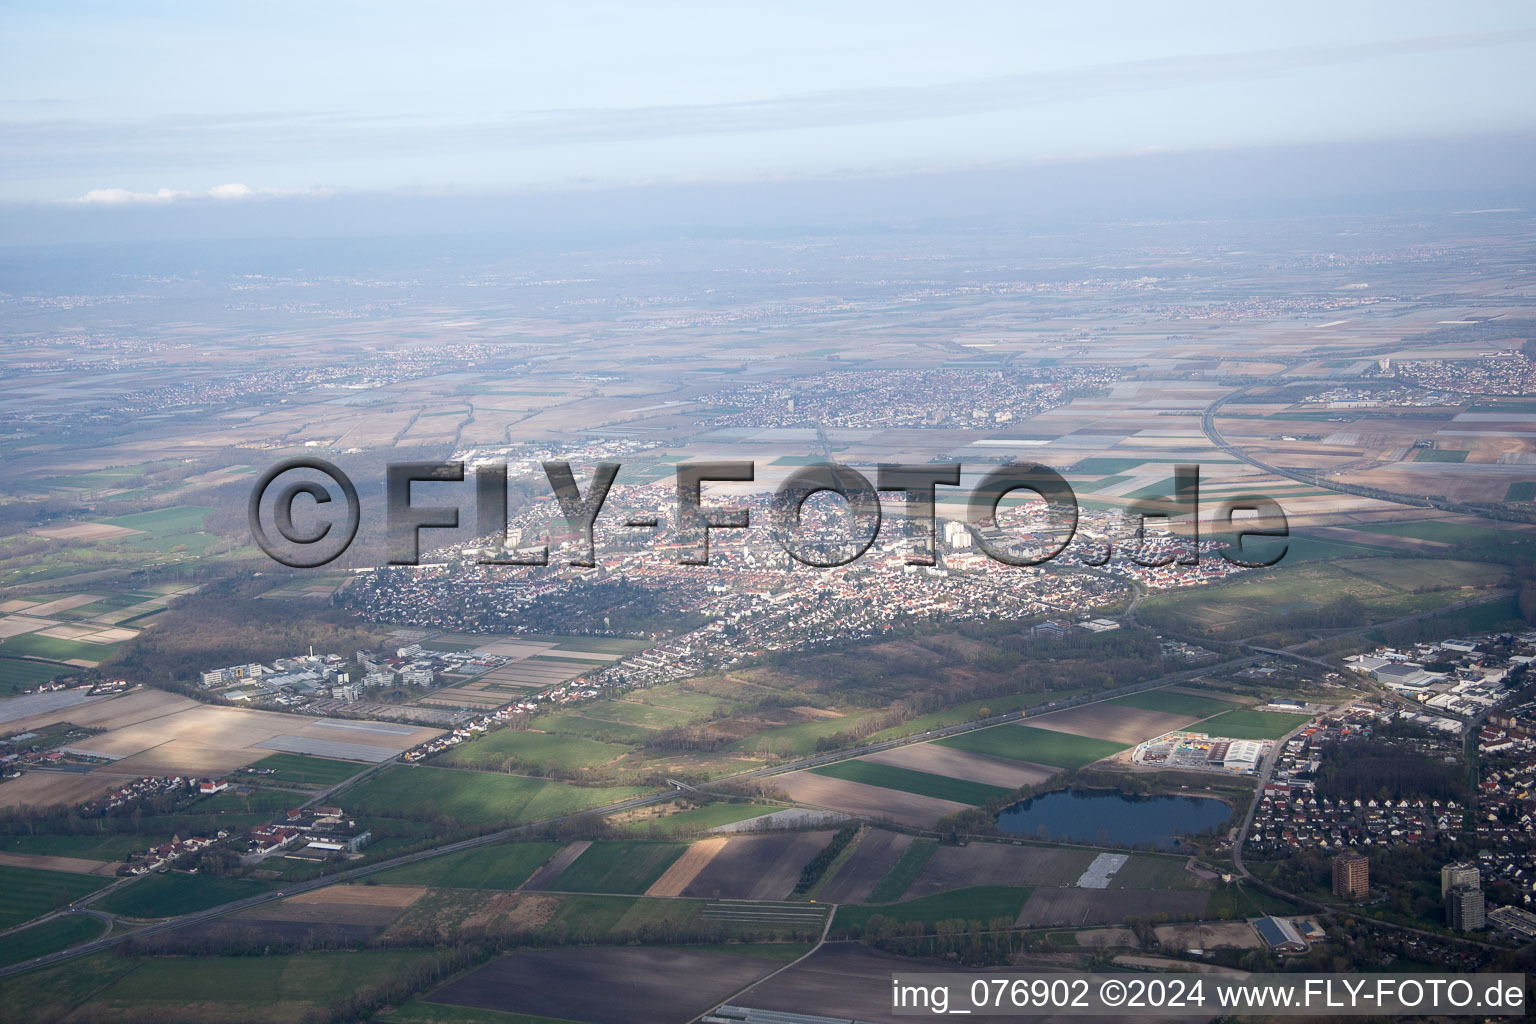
[1105, 906]
[686, 868]
[962, 764]
[607, 985]
[757, 867]
[43, 862]
[1111, 722]
[872, 860]
[957, 867]
[867, 801]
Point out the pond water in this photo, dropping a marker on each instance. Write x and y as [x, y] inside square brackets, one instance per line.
[1106, 817]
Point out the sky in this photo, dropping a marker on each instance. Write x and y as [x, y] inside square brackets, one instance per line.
[161, 104]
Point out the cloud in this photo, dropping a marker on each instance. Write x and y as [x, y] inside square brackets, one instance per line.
[233, 191]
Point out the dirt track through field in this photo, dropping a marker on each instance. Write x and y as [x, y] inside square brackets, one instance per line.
[683, 870]
[557, 864]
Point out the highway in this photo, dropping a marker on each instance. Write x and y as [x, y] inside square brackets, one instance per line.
[1208, 424]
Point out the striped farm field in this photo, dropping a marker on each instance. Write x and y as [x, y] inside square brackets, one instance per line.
[624, 868]
[1174, 703]
[1038, 746]
[889, 776]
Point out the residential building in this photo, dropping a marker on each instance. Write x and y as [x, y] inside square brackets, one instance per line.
[1351, 875]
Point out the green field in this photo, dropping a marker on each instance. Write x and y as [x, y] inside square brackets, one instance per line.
[889, 776]
[513, 748]
[798, 740]
[247, 989]
[31, 893]
[172, 895]
[301, 770]
[19, 675]
[49, 937]
[1483, 539]
[904, 872]
[505, 866]
[1022, 743]
[1174, 703]
[1439, 455]
[695, 819]
[1102, 465]
[33, 645]
[979, 903]
[475, 798]
[618, 867]
[1521, 490]
[165, 522]
[86, 847]
[570, 724]
[1251, 725]
[1387, 588]
[653, 716]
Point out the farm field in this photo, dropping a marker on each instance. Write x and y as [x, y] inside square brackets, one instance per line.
[1387, 587]
[175, 894]
[865, 801]
[976, 903]
[607, 985]
[276, 989]
[302, 770]
[888, 776]
[16, 674]
[153, 732]
[960, 764]
[475, 798]
[1174, 703]
[1251, 725]
[31, 893]
[49, 937]
[504, 866]
[1077, 907]
[957, 867]
[622, 868]
[87, 847]
[514, 748]
[419, 1011]
[1107, 720]
[879, 851]
[848, 980]
[906, 869]
[1037, 746]
[756, 867]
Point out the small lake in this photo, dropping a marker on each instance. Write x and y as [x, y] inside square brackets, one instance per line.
[1108, 818]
